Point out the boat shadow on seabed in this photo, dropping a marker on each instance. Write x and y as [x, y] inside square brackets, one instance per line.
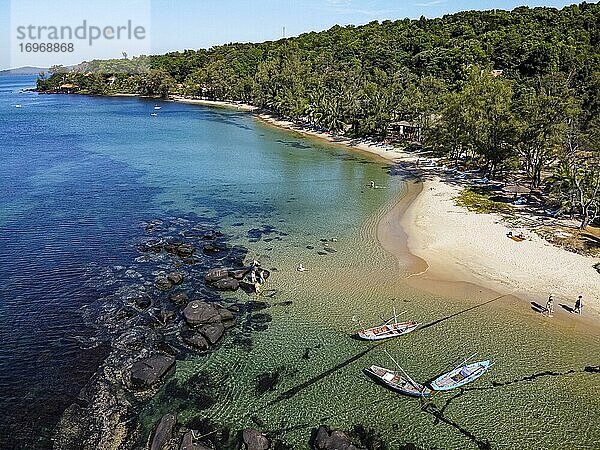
[430, 407]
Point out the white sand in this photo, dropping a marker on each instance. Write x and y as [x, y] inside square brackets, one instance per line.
[463, 246]
[215, 103]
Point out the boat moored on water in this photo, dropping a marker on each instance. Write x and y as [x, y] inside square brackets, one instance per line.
[459, 376]
[389, 329]
[395, 381]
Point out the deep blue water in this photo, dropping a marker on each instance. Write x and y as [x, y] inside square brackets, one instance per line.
[78, 175]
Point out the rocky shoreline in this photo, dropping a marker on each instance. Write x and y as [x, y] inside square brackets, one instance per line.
[172, 302]
[166, 305]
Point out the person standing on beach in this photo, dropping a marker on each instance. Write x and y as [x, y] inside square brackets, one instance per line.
[578, 305]
[550, 306]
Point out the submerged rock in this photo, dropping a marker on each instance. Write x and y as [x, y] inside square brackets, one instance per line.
[226, 284]
[175, 278]
[179, 298]
[210, 249]
[195, 339]
[334, 440]
[149, 371]
[213, 332]
[216, 274]
[163, 283]
[254, 440]
[163, 431]
[239, 274]
[185, 250]
[198, 312]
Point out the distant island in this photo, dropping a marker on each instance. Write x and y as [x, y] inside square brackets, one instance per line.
[26, 70]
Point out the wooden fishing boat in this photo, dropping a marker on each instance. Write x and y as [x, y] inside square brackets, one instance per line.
[398, 382]
[459, 376]
[389, 329]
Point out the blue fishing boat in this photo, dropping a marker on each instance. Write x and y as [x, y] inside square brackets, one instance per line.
[459, 376]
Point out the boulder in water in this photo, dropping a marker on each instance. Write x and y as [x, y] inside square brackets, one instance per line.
[198, 312]
[179, 298]
[216, 274]
[213, 332]
[175, 278]
[143, 301]
[149, 371]
[185, 250]
[239, 274]
[226, 284]
[163, 283]
[163, 432]
[254, 440]
[334, 440]
[210, 249]
[225, 314]
[195, 339]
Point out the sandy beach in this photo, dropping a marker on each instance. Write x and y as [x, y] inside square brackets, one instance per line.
[215, 103]
[445, 244]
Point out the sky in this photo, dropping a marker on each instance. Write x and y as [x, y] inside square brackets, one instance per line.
[190, 24]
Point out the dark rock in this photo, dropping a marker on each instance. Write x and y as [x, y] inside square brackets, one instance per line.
[149, 371]
[210, 249]
[330, 250]
[225, 314]
[239, 274]
[162, 283]
[310, 247]
[266, 382]
[226, 284]
[260, 318]
[185, 250]
[215, 275]
[143, 302]
[175, 278]
[171, 247]
[335, 440]
[254, 440]
[189, 443]
[179, 298]
[194, 339]
[150, 246]
[163, 432]
[213, 332]
[322, 253]
[198, 312]
[166, 315]
[592, 369]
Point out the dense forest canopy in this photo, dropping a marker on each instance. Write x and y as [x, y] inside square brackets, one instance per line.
[514, 91]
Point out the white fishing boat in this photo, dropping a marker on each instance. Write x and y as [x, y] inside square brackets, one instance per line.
[461, 375]
[157, 107]
[154, 114]
[389, 329]
[399, 382]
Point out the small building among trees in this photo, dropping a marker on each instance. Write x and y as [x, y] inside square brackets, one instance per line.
[403, 131]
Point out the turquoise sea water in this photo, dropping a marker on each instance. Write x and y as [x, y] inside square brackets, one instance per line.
[79, 175]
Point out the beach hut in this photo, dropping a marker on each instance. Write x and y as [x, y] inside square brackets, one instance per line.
[403, 130]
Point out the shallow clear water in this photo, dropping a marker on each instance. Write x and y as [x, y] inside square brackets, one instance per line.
[79, 176]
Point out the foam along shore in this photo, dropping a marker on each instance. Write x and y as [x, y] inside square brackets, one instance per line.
[450, 244]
